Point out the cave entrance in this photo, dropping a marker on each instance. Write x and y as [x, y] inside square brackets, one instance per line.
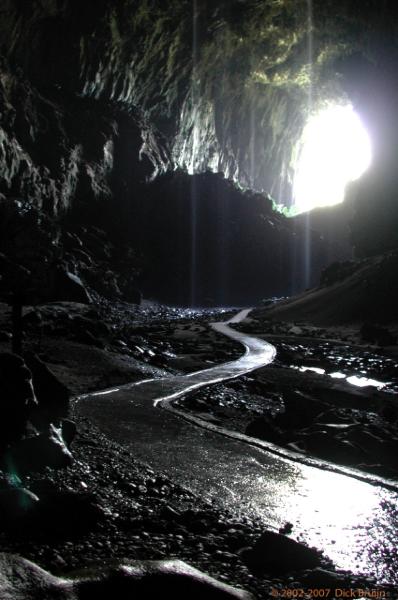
[334, 149]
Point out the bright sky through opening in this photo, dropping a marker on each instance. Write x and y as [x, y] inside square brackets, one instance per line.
[335, 149]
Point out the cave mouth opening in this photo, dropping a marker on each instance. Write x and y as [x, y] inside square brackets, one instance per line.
[334, 150]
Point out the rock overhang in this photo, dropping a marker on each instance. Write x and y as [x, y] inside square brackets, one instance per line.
[222, 81]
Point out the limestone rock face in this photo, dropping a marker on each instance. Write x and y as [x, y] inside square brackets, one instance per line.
[58, 148]
[22, 580]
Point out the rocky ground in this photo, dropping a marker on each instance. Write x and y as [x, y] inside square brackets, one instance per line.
[329, 394]
[92, 347]
[109, 507]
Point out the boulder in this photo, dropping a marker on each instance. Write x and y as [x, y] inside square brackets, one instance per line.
[300, 409]
[21, 579]
[36, 452]
[374, 334]
[295, 330]
[275, 554]
[61, 514]
[17, 398]
[263, 429]
[15, 503]
[68, 430]
[91, 322]
[323, 445]
[70, 287]
[52, 395]
[86, 337]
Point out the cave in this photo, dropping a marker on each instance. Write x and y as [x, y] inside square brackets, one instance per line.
[178, 179]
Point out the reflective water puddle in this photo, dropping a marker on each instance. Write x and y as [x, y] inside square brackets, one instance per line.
[352, 379]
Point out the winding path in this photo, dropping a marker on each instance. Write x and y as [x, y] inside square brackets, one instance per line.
[353, 521]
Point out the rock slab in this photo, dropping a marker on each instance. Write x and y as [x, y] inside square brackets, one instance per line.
[21, 579]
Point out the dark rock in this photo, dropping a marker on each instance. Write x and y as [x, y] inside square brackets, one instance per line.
[335, 417]
[297, 446]
[17, 398]
[32, 318]
[69, 287]
[377, 449]
[28, 238]
[64, 513]
[104, 282]
[337, 271]
[366, 440]
[51, 394]
[37, 452]
[132, 294]
[287, 528]
[374, 334]
[141, 580]
[83, 257]
[5, 336]
[94, 325]
[390, 412]
[86, 337]
[72, 241]
[15, 503]
[263, 429]
[69, 430]
[169, 513]
[300, 410]
[274, 553]
[322, 445]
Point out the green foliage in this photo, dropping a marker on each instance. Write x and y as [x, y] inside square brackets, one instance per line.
[286, 211]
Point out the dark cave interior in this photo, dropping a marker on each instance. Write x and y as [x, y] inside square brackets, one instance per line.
[102, 105]
[148, 153]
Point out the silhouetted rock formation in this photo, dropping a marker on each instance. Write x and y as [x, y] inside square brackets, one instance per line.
[276, 553]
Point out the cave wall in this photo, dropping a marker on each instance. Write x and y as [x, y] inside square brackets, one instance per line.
[60, 147]
[228, 83]
[43, 157]
[99, 98]
[71, 167]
